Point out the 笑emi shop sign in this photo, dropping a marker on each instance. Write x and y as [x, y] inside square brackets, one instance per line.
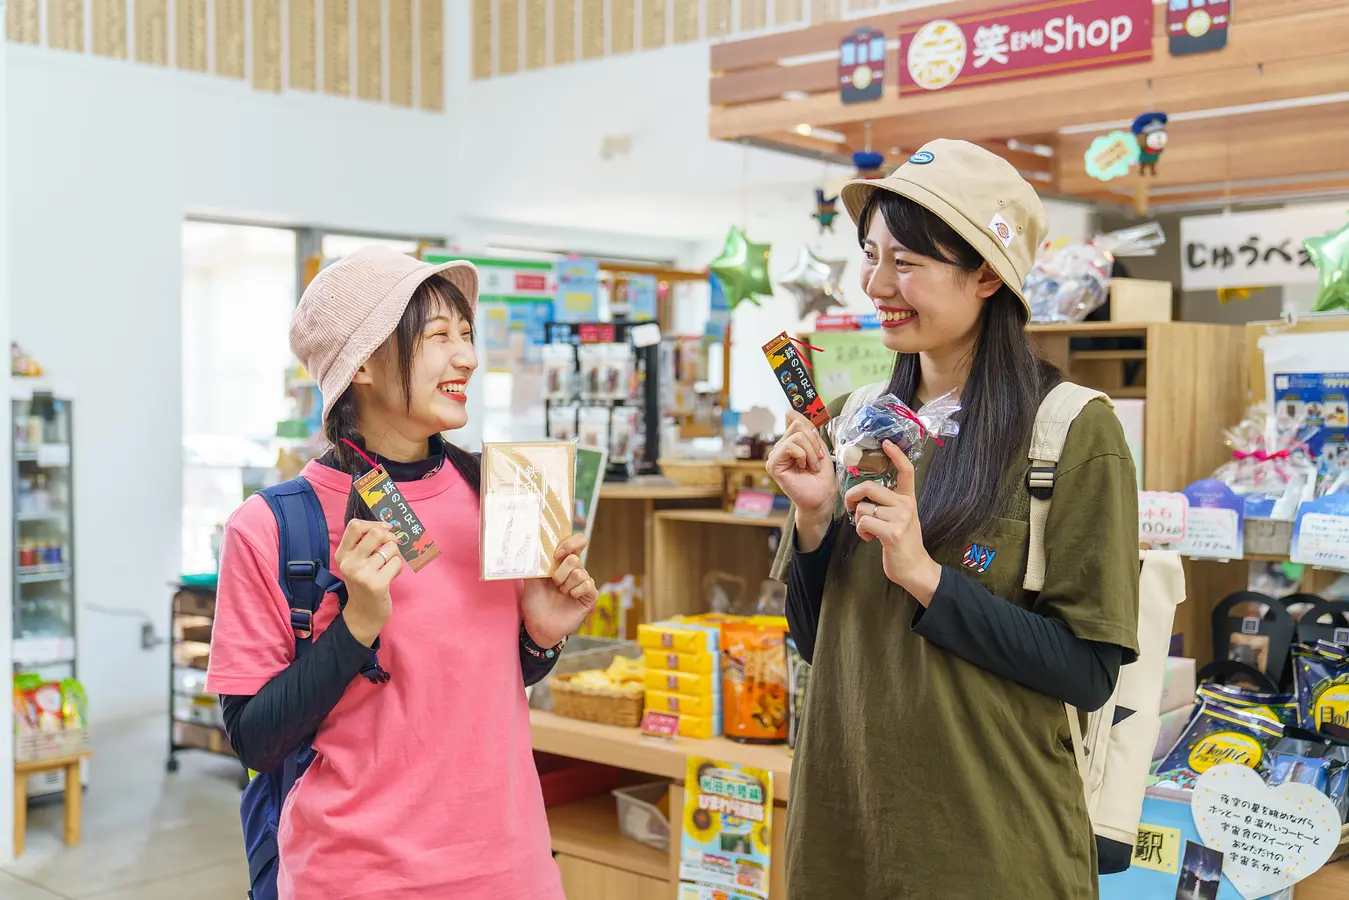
[1028, 40]
[1247, 249]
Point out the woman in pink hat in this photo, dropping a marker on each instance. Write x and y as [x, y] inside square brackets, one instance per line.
[421, 781]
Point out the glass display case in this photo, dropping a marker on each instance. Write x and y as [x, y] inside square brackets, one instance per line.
[43, 529]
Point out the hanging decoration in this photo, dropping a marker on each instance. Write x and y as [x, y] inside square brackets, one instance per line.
[868, 164]
[1150, 129]
[814, 281]
[826, 210]
[861, 65]
[742, 268]
[1198, 30]
[1330, 253]
[1111, 155]
[1236, 293]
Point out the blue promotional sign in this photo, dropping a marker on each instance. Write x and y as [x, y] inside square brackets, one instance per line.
[641, 291]
[578, 290]
[1321, 533]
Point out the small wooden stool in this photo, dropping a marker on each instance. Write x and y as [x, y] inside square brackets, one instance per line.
[73, 795]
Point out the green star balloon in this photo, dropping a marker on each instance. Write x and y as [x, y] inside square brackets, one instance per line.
[1330, 252]
[742, 268]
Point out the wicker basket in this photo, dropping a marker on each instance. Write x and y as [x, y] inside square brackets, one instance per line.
[693, 472]
[36, 745]
[608, 707]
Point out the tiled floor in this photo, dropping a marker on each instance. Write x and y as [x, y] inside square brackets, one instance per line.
[148, 835]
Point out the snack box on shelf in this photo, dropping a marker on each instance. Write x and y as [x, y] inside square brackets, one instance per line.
[703, 727]
[699, 663]
[684, 704]
[691, 683]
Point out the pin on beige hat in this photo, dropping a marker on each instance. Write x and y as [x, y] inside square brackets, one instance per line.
[977, 193]
[352, 306]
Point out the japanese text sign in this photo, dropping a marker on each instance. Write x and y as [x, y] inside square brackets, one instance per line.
[1253, 249]
[1213, 523]
[1024, 41]
[726, 846]
[660, 724]
[1162, 517]
[1270, 837]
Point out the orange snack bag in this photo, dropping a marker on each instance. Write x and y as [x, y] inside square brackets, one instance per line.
[754, 680]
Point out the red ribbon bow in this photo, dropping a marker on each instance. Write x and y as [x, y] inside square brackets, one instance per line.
[913, 417]
[1261, 455]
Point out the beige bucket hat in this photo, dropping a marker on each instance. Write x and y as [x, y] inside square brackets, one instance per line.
[977, 193]
[352, 306]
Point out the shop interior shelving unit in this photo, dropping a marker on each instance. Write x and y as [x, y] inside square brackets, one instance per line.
[43, 527]
[195, 720]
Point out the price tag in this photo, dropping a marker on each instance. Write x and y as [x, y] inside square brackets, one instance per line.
[660, 724]
[1321, 533]
[1212, 534]
[1161, 517]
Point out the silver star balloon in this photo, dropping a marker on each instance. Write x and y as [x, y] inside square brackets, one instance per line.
[815, 281]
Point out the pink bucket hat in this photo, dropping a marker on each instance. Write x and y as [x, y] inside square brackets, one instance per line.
[352, 306]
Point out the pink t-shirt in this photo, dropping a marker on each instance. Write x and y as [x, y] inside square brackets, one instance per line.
[425, 786]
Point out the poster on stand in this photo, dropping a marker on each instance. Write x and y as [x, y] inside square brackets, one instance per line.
[727, 835]
[1322, 398]
[578, 290]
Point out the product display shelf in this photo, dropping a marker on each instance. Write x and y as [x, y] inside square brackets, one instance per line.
[596, 860]
[195, 721]
[689, 544]
[1192, 380]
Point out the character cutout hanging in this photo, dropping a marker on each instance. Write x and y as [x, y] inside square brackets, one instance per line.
[826, 210]
[1150, 129]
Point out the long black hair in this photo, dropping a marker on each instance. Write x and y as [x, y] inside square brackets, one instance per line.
[343, 423]
[963, 485]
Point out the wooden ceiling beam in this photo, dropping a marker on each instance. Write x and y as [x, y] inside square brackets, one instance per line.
[1238, 193]
[1200, 81]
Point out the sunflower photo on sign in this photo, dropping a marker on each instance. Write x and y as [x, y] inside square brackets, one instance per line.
[727, 831]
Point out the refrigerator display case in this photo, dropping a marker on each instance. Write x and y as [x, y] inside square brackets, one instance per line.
[44, 528]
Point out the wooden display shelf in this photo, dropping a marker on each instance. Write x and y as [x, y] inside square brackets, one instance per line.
[722, 517]
[691, 544]
[656, 489]
[588, 829]
[628, 748]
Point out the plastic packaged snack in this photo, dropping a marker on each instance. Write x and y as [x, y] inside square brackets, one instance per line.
[1285, 768]
[1218, 734]
[1280, 708]
[1321, 684]
[754, 680]
[559, 371]
[528, 495]
[593, 427]
[1067, 284]
[858, 438]
[562, 423]
[623, 433]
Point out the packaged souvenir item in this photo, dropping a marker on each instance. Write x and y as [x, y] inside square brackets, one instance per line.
[1218, 734]
[858, 438]
[606, 371]
[1270, 465]
[562, 422]
[1286, 768]
[593, 427]
[700, 663]
[528, 492]
[1321, 684]
[74, 704]
[559, 371]
[790, 369]
[1280, 708]
[623, 433]
[754, 679]
[1068, 283]
[386, 502]
[798, 676]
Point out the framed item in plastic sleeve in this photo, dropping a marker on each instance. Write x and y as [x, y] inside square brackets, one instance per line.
[528, 497]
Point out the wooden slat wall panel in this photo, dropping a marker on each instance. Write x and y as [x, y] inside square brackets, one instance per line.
[622, 24]
[753, 15]
[508, 37]
[482, 38]
[400, 53]
[788, 12]
[65, 25]
[302, 40]
[687, 26]
[592, 29]
[653, 23]
[109, 21]
[230, 40]
[431, 55]
[536, 34]
[267, 45]
[152, 32]
[369, 50]
[825, 11]
[337, 47]
[23, 21]
[564, 32]
[718, 18]
[190, 19]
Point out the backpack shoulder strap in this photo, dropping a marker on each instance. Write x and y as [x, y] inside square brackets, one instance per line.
[302, 555]
[1056, 414]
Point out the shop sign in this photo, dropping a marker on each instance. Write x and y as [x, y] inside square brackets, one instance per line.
[1197, 26]
[1253, 248]
[578, 290]
[1024, 41]
[503, 279]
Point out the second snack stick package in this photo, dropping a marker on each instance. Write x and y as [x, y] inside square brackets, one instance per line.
[528, 494]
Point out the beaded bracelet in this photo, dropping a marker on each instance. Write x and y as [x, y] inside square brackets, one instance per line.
[535, 650]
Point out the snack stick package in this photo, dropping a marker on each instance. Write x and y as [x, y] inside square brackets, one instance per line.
[528, 495]
[790, 369]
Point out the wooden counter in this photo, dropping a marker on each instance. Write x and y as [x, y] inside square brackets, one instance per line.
[656, 489]
[627, 748]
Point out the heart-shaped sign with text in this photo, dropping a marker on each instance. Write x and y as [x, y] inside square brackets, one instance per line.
[1270, 837]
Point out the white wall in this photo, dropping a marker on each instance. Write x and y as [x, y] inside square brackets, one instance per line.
[105, 161]
[6, 467]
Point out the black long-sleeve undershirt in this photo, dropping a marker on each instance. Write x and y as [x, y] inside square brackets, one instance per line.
[964, 618]
[266, 727]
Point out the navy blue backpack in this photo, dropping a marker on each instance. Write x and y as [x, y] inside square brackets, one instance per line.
[302, 543]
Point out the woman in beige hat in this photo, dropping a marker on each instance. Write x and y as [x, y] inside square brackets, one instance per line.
[421, 780]
[934, 757]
